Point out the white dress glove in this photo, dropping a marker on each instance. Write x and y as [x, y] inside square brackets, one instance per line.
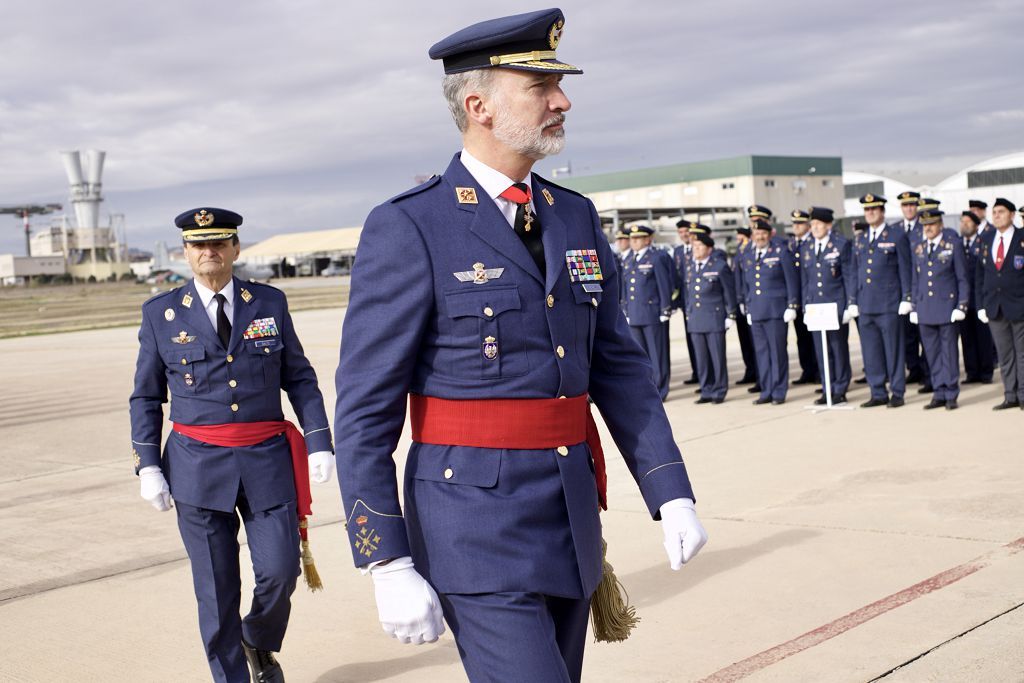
[684, 535]
[321, 466]
[407, 606]
[913, 317]
[905, 308]
[743, 309]
[983, 316]
[728, 324]
[789, 316]
[750, 319]
[850, 313]
[154, 488]
[663, 318]
[957, 315]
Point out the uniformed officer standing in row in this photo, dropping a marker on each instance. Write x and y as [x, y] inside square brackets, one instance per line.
[770, 293]
[975, 337]
[881, 257]
[496, 323]
[804, 341]
[224, 350]
[622, 253]
[999, 281]
[710, 312]
[980, 210]
[917, 365]
[941, 290]
[681, 256]
[743, 235]
[648, 279]
[829, 277]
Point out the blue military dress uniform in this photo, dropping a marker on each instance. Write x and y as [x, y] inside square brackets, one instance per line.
[940, 286]
[975, 337]
[465, 313]
[829, 277]
[916, 362]
[681, 257]
[746, 339]
[710, 299]
[769, 286]
[180, 353]
[883, 282]
[647, 279]
[804, 340]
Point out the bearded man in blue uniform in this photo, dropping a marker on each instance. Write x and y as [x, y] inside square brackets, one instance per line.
[499, 322]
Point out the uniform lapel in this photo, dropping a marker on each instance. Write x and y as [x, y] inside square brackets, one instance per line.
[553, 234]
[487, 222]
[242, 315]
[194, 318]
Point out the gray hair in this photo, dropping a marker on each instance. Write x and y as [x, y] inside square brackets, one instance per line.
[456, 86]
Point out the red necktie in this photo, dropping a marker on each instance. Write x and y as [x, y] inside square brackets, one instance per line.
[526, 225]
[1000, 255]
[517, 194]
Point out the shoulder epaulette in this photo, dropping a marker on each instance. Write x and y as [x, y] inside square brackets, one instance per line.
[426, 185]
[556, 186]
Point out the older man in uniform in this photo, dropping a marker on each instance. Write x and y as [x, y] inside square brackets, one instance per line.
[622, 253]
[497, 323]
[681, 256]
[770, 293]
[648, 279]
[917, 365]
[999, 285]
[829, 277]
[975, 337]
[224, 350]
[940, 295]
[804, 341]
[743, 243]
[881, 257]
[711, 310]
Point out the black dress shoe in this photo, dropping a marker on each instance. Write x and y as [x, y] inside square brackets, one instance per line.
[756, 389]
[762, 401]
[896, 402]
[703, 399]
[746, 380]
[818, 391]
[697, 390]
[837, 400]
[804, 380]
[935, 403]
[972, 380]
[875, 402]
[265, 668]
[1006, 405]
[915, 377]
[951, 404]
[692, 380]
[926, 389]
[820, 401]
[985, 380]
[778, 401]
[861, 380]
[718, 400]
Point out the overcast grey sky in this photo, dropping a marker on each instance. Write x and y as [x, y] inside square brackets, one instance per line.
[303, 114]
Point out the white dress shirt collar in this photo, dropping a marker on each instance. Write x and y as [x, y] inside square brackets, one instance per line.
[640, 254]
[210, 306]
[494, 183]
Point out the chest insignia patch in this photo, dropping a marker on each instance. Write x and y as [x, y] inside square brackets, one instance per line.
[183, 338]
[479, 275]
[261, 327]
[583, 265]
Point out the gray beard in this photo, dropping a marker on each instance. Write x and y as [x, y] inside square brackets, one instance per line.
[529, 141]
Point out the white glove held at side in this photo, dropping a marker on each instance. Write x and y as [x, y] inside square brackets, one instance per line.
[750, 319]
[321, 466]
[407, 606]
[957, 315]
[850, 313]
[684, 535]
[789, 316]
[728, 323]
[154, 489]
[913, 317]
[905, 308]
[983, 316]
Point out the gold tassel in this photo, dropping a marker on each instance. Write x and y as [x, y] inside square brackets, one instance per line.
[309, 571]
[611, 615]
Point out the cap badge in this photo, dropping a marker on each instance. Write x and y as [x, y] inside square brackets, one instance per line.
[465, 195]
[869, 198]
[555, 34]
[203, 218]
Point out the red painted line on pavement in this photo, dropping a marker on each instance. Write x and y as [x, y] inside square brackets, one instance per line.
[751, 665]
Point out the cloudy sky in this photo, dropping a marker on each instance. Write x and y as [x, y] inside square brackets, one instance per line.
[303, 114]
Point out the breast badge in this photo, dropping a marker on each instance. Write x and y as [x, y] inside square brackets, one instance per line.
[583, 265]
[465, 195]
[490, 348]
[246, 296]
[169, 314]
[186, 301]
[183, 338]
[479, 275]
[188, 379]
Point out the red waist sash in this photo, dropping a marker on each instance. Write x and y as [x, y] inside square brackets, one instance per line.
[512, 423]
[236, 435]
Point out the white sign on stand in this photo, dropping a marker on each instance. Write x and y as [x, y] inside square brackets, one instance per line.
[822, 318]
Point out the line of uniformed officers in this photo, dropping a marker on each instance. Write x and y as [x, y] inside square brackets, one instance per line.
[915, 289]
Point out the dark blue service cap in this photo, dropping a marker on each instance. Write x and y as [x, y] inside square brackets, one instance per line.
[622, 234]
[704, 238]
[206, 224]
[970, 215]
[925, 203]
[641, 231]
[869, 200]
[523, 41]
[1005, 203]
[929, 216]
[698, 227]
[799, 216]
[820, 213]
[758, 224]
[743, 230]
[909, 197]
[976, 204]
[758, 211]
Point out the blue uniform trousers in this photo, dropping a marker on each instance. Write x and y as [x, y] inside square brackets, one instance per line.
[666, 357]
[805, 351]
[943, 360]
[690, 355]
[916, 361]
[772, 357]
[746, 349]
[977, 345]
[211, 540]
[881, 342]
[652, 339]
[838, 359]
[549, 636]
[709, 352]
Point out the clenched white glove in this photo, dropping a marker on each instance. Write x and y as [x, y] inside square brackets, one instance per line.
[957, 315]
[743, 308]
[407, 606]
[154, 488]
[789, 316]
[983, 316]
[728, 323]
[905, 308]
[663, 318]
[684, 535]
[851, 312]
[913, 317]
[321, 466]
[750, 319]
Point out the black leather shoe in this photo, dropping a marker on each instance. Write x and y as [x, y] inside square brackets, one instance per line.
[718, 400]
[951, 404]
[692, 380]
[915, 377]
[746, 380]
[972, 380]
[1005, 405]
[837, 400]
[896, 402]
[778, 401]
[820, 401]
[804, 380]
[762, 401]
[756, 389]
[697, 390]
[861, 380]
[875, 402]
[926, 389]
[935, 403]
[265, 668]
[703, 399]
[818, 391]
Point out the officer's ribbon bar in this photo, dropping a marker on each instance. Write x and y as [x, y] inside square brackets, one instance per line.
[583, 265]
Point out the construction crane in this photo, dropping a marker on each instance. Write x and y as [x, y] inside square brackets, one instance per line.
[26, 210]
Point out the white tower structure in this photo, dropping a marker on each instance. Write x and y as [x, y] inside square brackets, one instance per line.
[90, 249]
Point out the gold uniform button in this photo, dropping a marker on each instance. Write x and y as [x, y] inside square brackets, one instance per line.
[593, 301]
[231, 359]
[868, 281]
[757, 291]
[449, 473]
[632, 279]
[184, 362]
[488, 311]
[232, 383]
[929, 273]
[234, 407]
[551, 301]
[562, 450]
[562, 396]
[560, 351]
[266, 350]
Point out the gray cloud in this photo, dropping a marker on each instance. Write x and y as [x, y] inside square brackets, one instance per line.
[304, 114]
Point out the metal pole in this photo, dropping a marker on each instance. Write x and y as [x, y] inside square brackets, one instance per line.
[28, 240]
[828, 382]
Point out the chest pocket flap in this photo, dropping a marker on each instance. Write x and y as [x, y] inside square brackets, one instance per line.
[265, 346]
[456, 465]
[475, 302]
[587, 293]
[184, 355]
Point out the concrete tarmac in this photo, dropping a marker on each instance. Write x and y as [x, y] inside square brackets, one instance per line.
[857, 545]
